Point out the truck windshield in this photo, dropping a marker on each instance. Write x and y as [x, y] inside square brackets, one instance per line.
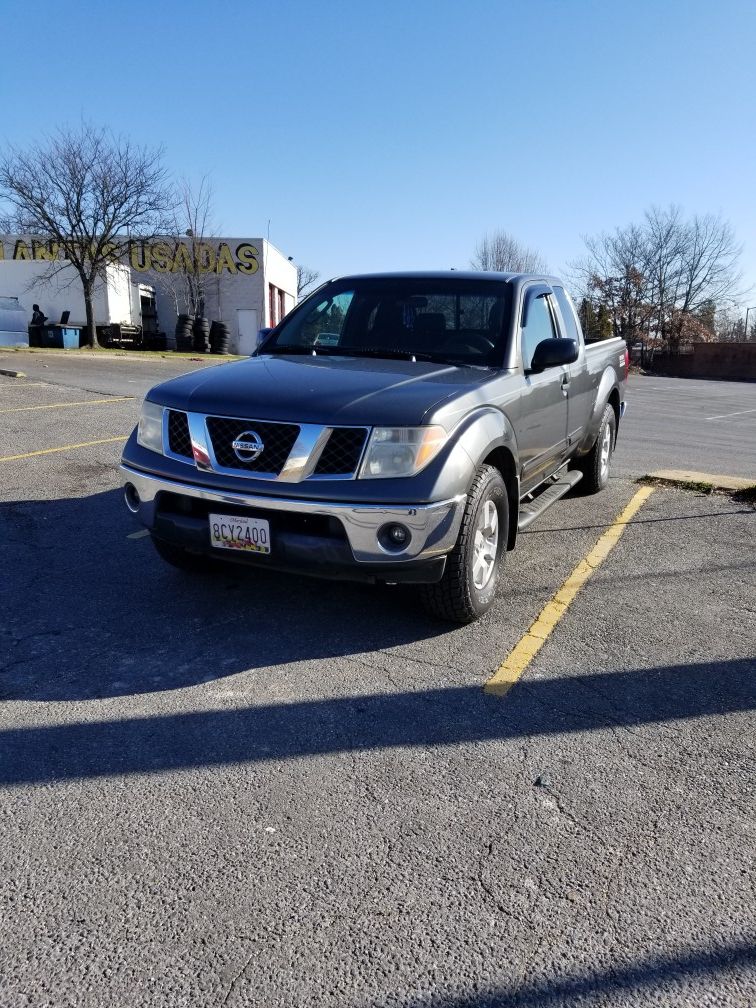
[455, 321]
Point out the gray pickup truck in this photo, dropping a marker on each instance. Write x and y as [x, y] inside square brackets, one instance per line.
[392, 428]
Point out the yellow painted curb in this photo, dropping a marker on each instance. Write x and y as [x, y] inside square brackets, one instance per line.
[679, 477]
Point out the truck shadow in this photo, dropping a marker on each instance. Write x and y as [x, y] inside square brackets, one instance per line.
[451, 716]
[683, 972]
[89, 612]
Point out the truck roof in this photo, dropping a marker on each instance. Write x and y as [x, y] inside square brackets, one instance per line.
[446, 275]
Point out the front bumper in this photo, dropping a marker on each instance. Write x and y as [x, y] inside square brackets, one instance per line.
[325, 538]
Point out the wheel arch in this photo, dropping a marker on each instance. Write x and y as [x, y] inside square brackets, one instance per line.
[606, 395]
[501, 458]
[614, 402]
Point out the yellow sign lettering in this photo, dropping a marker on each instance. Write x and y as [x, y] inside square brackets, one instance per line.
[140, 263]
[204, 258]
[182, 262]
[247, 256]
[225, 260]
[162, 257]
[42, 251]
[21, 251]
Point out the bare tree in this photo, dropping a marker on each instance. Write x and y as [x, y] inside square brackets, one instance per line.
[664, 279]
[190, 253]
[306, 278]
[613, 277]
[90, 194]
[503, 253]
[708, 270]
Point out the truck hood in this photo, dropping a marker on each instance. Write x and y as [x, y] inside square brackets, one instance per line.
[321, 390]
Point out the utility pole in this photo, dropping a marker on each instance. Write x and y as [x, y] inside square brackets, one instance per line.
[745, 331]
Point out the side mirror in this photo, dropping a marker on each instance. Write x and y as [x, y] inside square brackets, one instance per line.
[553, 353]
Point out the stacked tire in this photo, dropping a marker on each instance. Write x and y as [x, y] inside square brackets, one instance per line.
[219, 338]
[184, 338]
[201, 335]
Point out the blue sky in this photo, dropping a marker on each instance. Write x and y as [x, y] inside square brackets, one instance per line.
[392, 135]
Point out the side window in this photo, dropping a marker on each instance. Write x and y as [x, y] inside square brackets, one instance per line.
[539, 326]
[569, 317]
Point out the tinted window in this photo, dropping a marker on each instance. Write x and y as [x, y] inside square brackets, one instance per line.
[538, 327]
[322, 324]
[462, 321]
[569, 318]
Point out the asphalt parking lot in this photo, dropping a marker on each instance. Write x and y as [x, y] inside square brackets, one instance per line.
[273, 791]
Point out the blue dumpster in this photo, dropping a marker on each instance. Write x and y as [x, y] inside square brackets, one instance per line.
[63, 337]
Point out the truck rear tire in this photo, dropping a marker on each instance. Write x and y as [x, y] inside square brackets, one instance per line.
[595, 465]
[473, 568]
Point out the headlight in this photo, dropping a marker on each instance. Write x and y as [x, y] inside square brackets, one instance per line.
[401, 451]
[150, 430]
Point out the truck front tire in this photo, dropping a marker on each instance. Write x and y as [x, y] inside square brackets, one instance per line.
[473, 568]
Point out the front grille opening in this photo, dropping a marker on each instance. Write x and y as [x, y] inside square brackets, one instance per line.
[179, 441]
[323, 526]
[342, 452]
[278, 440]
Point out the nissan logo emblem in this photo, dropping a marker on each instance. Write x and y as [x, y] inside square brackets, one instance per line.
[248, 446]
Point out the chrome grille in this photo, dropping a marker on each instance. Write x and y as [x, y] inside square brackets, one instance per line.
[179, 441]
[342, 452]
[278, 440]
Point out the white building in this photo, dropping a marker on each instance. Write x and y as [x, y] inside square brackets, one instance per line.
[245, 282]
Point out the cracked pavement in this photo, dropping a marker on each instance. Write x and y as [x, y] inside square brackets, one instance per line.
[268, 791]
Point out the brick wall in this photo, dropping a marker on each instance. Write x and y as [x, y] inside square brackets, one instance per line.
[710, 360]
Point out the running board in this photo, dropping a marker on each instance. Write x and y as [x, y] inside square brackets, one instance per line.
[534, 509]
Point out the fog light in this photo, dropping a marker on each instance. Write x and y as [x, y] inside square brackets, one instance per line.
[131, 496]
[398, 534]
[394, 537]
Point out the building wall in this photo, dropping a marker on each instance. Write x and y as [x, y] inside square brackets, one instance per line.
[282, 276]
[235, 274]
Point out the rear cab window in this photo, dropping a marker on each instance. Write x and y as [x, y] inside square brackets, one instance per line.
[570, 322]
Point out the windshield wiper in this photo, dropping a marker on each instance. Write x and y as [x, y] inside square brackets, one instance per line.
[387, 353]
[297, 348]
[393, 353]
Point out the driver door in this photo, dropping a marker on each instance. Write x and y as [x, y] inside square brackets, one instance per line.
[542, 422]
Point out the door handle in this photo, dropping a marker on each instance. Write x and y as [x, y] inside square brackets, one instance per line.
[565, 384]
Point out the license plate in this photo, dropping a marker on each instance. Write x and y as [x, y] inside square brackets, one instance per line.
[248, 535]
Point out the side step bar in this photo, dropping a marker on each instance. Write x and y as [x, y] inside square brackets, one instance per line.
[535, 508]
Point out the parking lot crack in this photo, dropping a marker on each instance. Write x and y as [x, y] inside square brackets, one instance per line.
[398, 686]
[489, 892]
[235, 980]
[419, 661]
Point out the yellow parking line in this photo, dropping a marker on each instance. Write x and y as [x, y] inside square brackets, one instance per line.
[51, 451]
[531, 643]
[59, 405]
